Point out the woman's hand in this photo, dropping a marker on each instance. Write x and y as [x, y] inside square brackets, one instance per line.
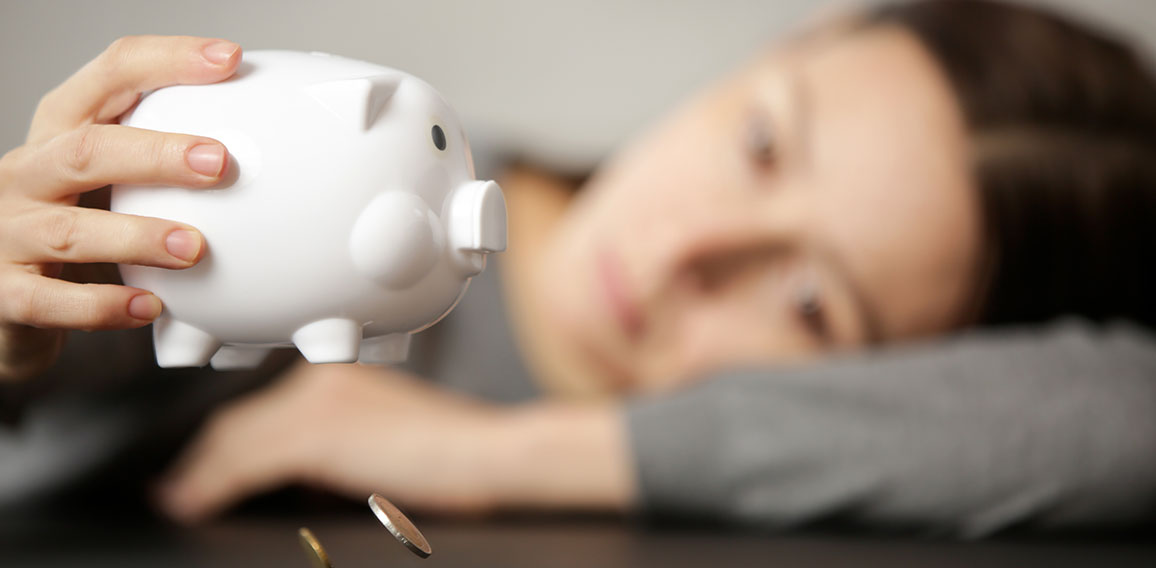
[358, 430]
[73, 147]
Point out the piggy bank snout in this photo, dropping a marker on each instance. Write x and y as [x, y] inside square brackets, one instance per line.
[478, 218]
[477, 224]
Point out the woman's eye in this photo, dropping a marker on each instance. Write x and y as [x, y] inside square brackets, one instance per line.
[439, 137]
[760, 140]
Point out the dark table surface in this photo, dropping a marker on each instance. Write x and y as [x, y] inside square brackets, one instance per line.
[360, 541]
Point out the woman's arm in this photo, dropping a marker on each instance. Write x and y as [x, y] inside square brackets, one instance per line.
[357, 430]
[1048, 428]
[564, 455]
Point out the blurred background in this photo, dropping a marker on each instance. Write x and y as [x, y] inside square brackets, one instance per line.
[565, 82]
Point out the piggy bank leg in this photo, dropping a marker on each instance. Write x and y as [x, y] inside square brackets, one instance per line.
[230, 358]
[334, 340]
[179, 344]
[391, 348]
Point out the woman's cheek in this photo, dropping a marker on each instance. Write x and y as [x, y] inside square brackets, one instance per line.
[706, 340]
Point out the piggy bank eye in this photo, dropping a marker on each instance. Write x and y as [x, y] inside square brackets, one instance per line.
[439, 137]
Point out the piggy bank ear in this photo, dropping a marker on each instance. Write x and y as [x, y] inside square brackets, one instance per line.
[357, 102]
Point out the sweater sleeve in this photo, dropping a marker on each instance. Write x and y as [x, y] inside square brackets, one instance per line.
[1052, 428]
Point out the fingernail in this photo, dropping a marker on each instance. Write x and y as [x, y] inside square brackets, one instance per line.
[219, 53]
[144, 307]
[183, 244]
[207, 159]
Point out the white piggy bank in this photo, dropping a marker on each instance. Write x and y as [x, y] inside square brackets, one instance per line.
[350, 218]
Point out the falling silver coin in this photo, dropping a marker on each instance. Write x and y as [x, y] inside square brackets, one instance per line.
[400, 526]
[317, 555]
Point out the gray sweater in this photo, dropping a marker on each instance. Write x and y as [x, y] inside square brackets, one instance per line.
[1049, 428]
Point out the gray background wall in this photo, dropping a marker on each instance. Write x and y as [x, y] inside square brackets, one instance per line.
[565, 80]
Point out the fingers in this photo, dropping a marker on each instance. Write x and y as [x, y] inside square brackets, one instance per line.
[110, 84]
[99, 155]
[244, 450]
[79, 235]
[39, 301]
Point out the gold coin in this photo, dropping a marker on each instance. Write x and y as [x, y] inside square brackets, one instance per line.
[400, 526]
[317, 555]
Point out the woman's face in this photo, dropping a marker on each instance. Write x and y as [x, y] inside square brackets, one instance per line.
[817, 201]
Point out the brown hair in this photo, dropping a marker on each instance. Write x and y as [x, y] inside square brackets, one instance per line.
[1063, 123]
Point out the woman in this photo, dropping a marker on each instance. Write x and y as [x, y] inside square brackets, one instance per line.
[892, 177]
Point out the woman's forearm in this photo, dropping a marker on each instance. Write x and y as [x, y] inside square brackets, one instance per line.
[561, 455]
[357, 430]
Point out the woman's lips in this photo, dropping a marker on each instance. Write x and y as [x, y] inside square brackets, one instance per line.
[625, 310]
